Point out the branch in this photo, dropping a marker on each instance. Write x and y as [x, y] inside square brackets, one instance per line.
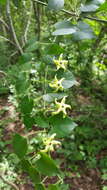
[73, 13]
[28, 24]
[96, 19]
[6, 39]
[63, 10]
[4, 23]
[37, 19]
[3, 73]
[9, 183]
[12, 27]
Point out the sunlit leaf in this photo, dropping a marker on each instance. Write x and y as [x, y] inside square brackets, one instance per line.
[64, 28]
[83, 32]
[55, 5]
[50, 97]
[53, 187]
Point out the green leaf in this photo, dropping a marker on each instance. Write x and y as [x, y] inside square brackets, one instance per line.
[46, 165]
[54, 49]
[2, 2]
[32, 47]
[55, 5]
[42, 121]
[25, 164]
[26, 105]
[84, 31]
[68, 83]
[53, 187]
[34, 175]
[25, 58]
[69, 80]
[104, 188]
[20, 145]
[103, 7]
[91, 6]
[64, 28]
[62, 126]
[16, 2]
[40, 187]
[22, 84]
[32, 172]
[28, 121]
[50, 97]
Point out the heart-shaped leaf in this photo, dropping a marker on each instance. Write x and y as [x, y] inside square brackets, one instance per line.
[55, 5]
[50, 97]
[20, 145]
[26, 105]
[83, 31]
[32, 172]
[46, 165]
[62, 126]
[64, 28]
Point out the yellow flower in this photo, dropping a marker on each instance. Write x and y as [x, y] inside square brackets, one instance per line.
[60, 63]
[49, 143]
[57, 84]
[61, 107]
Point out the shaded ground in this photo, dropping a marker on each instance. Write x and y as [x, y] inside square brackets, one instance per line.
[89, 179]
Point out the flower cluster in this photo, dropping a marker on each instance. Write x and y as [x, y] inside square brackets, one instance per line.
[57, 85]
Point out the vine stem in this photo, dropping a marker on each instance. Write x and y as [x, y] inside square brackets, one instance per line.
[9, 183]
[74, 14]
[12, 27]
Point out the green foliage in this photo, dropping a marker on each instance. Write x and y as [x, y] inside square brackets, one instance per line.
[40, 187]
[59, 116]
[104, 188]
[80, 31]
[53, 187]
[20, 145]
[62, 126]
[32, 172]
[2, 2]
[46, 165]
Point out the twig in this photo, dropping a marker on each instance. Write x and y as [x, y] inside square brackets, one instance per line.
[9, 183]
[12, 27]
[96, 19]
[2, 72]
[6, 39]
[4, 23]
[73, 13]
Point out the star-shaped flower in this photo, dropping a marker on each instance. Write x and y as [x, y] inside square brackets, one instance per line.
[50, 143]
[57, 84]
[61, 107]
[60, 63]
